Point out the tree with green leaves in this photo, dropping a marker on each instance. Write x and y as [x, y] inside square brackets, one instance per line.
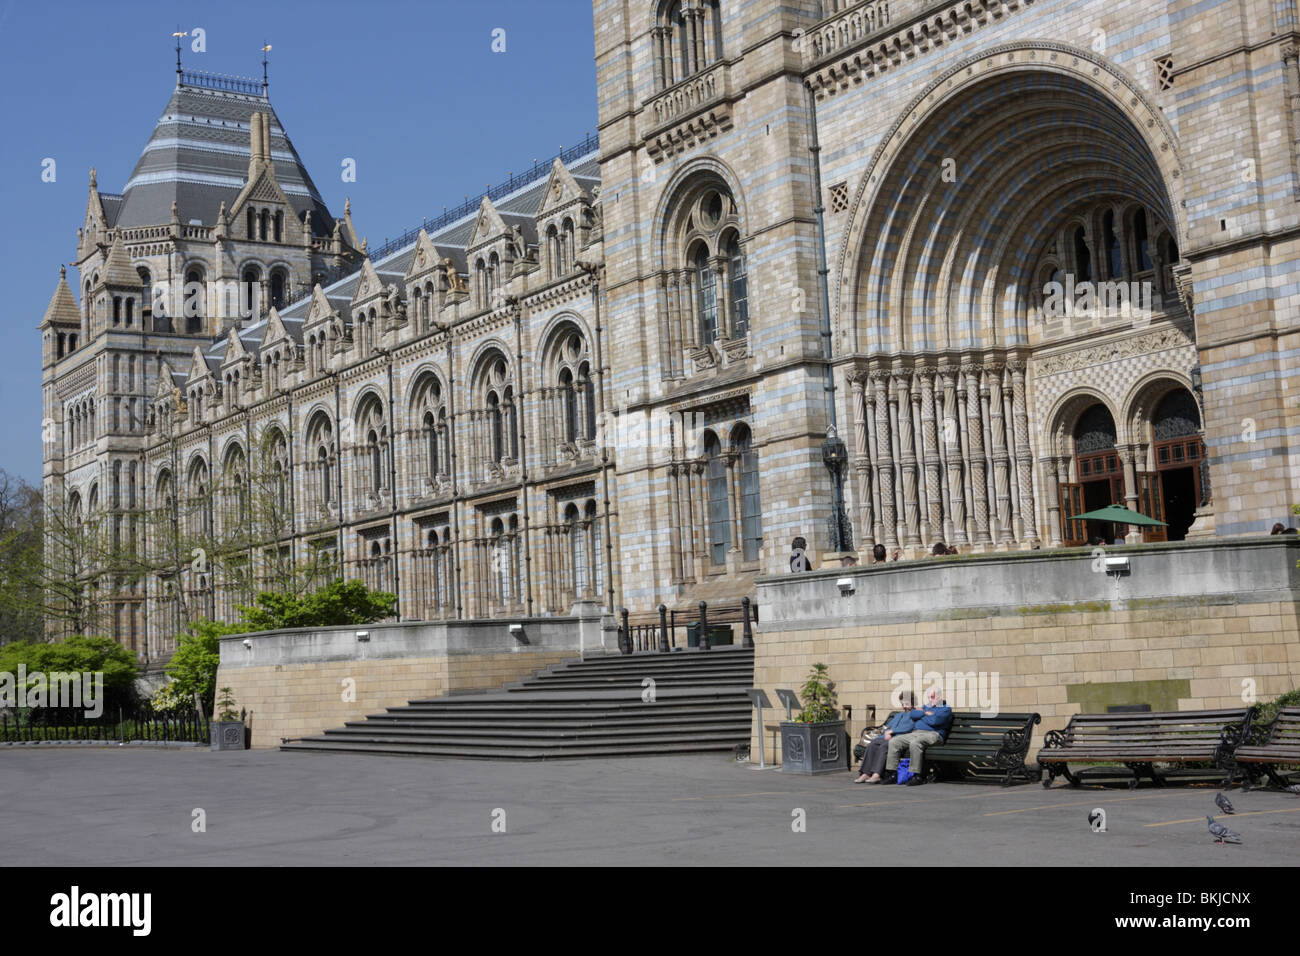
[339, 602]
[193, 667]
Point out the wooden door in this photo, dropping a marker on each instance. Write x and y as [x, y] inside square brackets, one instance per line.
[1151, 503]
[1072, 532]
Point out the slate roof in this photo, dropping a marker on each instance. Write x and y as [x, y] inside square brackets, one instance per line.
[198, 156]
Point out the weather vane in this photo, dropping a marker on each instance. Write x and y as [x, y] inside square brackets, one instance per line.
[178, 34]
[266, 48]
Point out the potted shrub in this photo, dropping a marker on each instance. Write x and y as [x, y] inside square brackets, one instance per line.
[814, 742]
[227, 729]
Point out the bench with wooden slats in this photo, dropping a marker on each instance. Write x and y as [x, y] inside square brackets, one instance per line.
[1267, 749]
[1141, 740]
[982, 745]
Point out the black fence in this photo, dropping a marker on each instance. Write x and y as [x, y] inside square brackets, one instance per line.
[700, 627]
[139, 724]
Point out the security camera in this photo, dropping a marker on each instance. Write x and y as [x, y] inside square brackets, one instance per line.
[248, 644]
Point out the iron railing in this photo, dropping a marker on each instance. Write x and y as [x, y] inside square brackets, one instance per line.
[45, 723]
[661, 635]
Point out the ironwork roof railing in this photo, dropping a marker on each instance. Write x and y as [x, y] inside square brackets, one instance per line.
[221, 81]
[539, 171]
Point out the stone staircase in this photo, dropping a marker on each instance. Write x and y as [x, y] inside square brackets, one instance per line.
[599, 707]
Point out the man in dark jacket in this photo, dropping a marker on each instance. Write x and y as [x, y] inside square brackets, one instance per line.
[931, 724]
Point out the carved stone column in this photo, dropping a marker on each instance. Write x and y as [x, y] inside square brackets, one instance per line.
[885, 458]
[924, 385]
[700, 509]
[722, 301]
[688, 299]
[956, 470]
[862, 461]
[907, 460]
[1127, 458]
[1001, 460]
[676, 342]
[675, 523]
[975, 451]
[1024, 454]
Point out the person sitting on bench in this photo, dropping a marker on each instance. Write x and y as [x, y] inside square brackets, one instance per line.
[931, 727]
[874, 760]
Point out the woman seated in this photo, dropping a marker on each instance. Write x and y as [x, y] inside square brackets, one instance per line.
[874, 760]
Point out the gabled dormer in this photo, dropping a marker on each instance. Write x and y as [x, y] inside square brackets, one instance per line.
[279, 353]
[376, 308]
[490, 255]
[61, 326]
[202, 387]
[564, 223]
[240, 375]
[262, 212]
[426, 284]
[168, 405]
[322, 331]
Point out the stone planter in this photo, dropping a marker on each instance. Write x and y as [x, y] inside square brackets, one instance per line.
[813, 748]
[227, 734]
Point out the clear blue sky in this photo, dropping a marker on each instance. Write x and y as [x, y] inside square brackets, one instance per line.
[411, 90]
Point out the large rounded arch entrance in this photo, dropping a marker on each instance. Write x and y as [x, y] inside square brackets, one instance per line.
[1023, 165]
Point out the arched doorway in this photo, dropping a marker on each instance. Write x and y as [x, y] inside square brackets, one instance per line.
[1176, 487]
[1098, 479]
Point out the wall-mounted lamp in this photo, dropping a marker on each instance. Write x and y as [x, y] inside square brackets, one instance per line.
[846, 586]
[248, 644]
[363, 635]
[1117, 566]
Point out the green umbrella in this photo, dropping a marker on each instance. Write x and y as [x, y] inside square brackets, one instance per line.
[1120, 515]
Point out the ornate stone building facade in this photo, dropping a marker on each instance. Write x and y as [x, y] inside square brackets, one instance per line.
[1024, 258]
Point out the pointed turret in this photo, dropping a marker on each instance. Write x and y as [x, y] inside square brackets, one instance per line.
[63, 309]
[118, 272]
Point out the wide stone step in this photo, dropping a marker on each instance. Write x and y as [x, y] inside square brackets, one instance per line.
[541, 729]
[512, 750]
[575, 708]
[559, 718]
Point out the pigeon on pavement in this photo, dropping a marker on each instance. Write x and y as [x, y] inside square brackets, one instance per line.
[1294, 788]
[1223, 803]
[1221, 833]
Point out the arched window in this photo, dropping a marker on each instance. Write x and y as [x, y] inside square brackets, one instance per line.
[1141, 240]
[588, 401]
[739, 289]
[1112, 244]
[569, 400]
[597, 573]
[552, 252]
[146, 299]
[494, 425]
[193, 306]
[264, 224]
[252, 223]
[322, 453]
[1082, 257]
[277, 289]
[430, 445]
[719, 518]
[706, 296]
[751, 512]
[279, 225]
[371, 424]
